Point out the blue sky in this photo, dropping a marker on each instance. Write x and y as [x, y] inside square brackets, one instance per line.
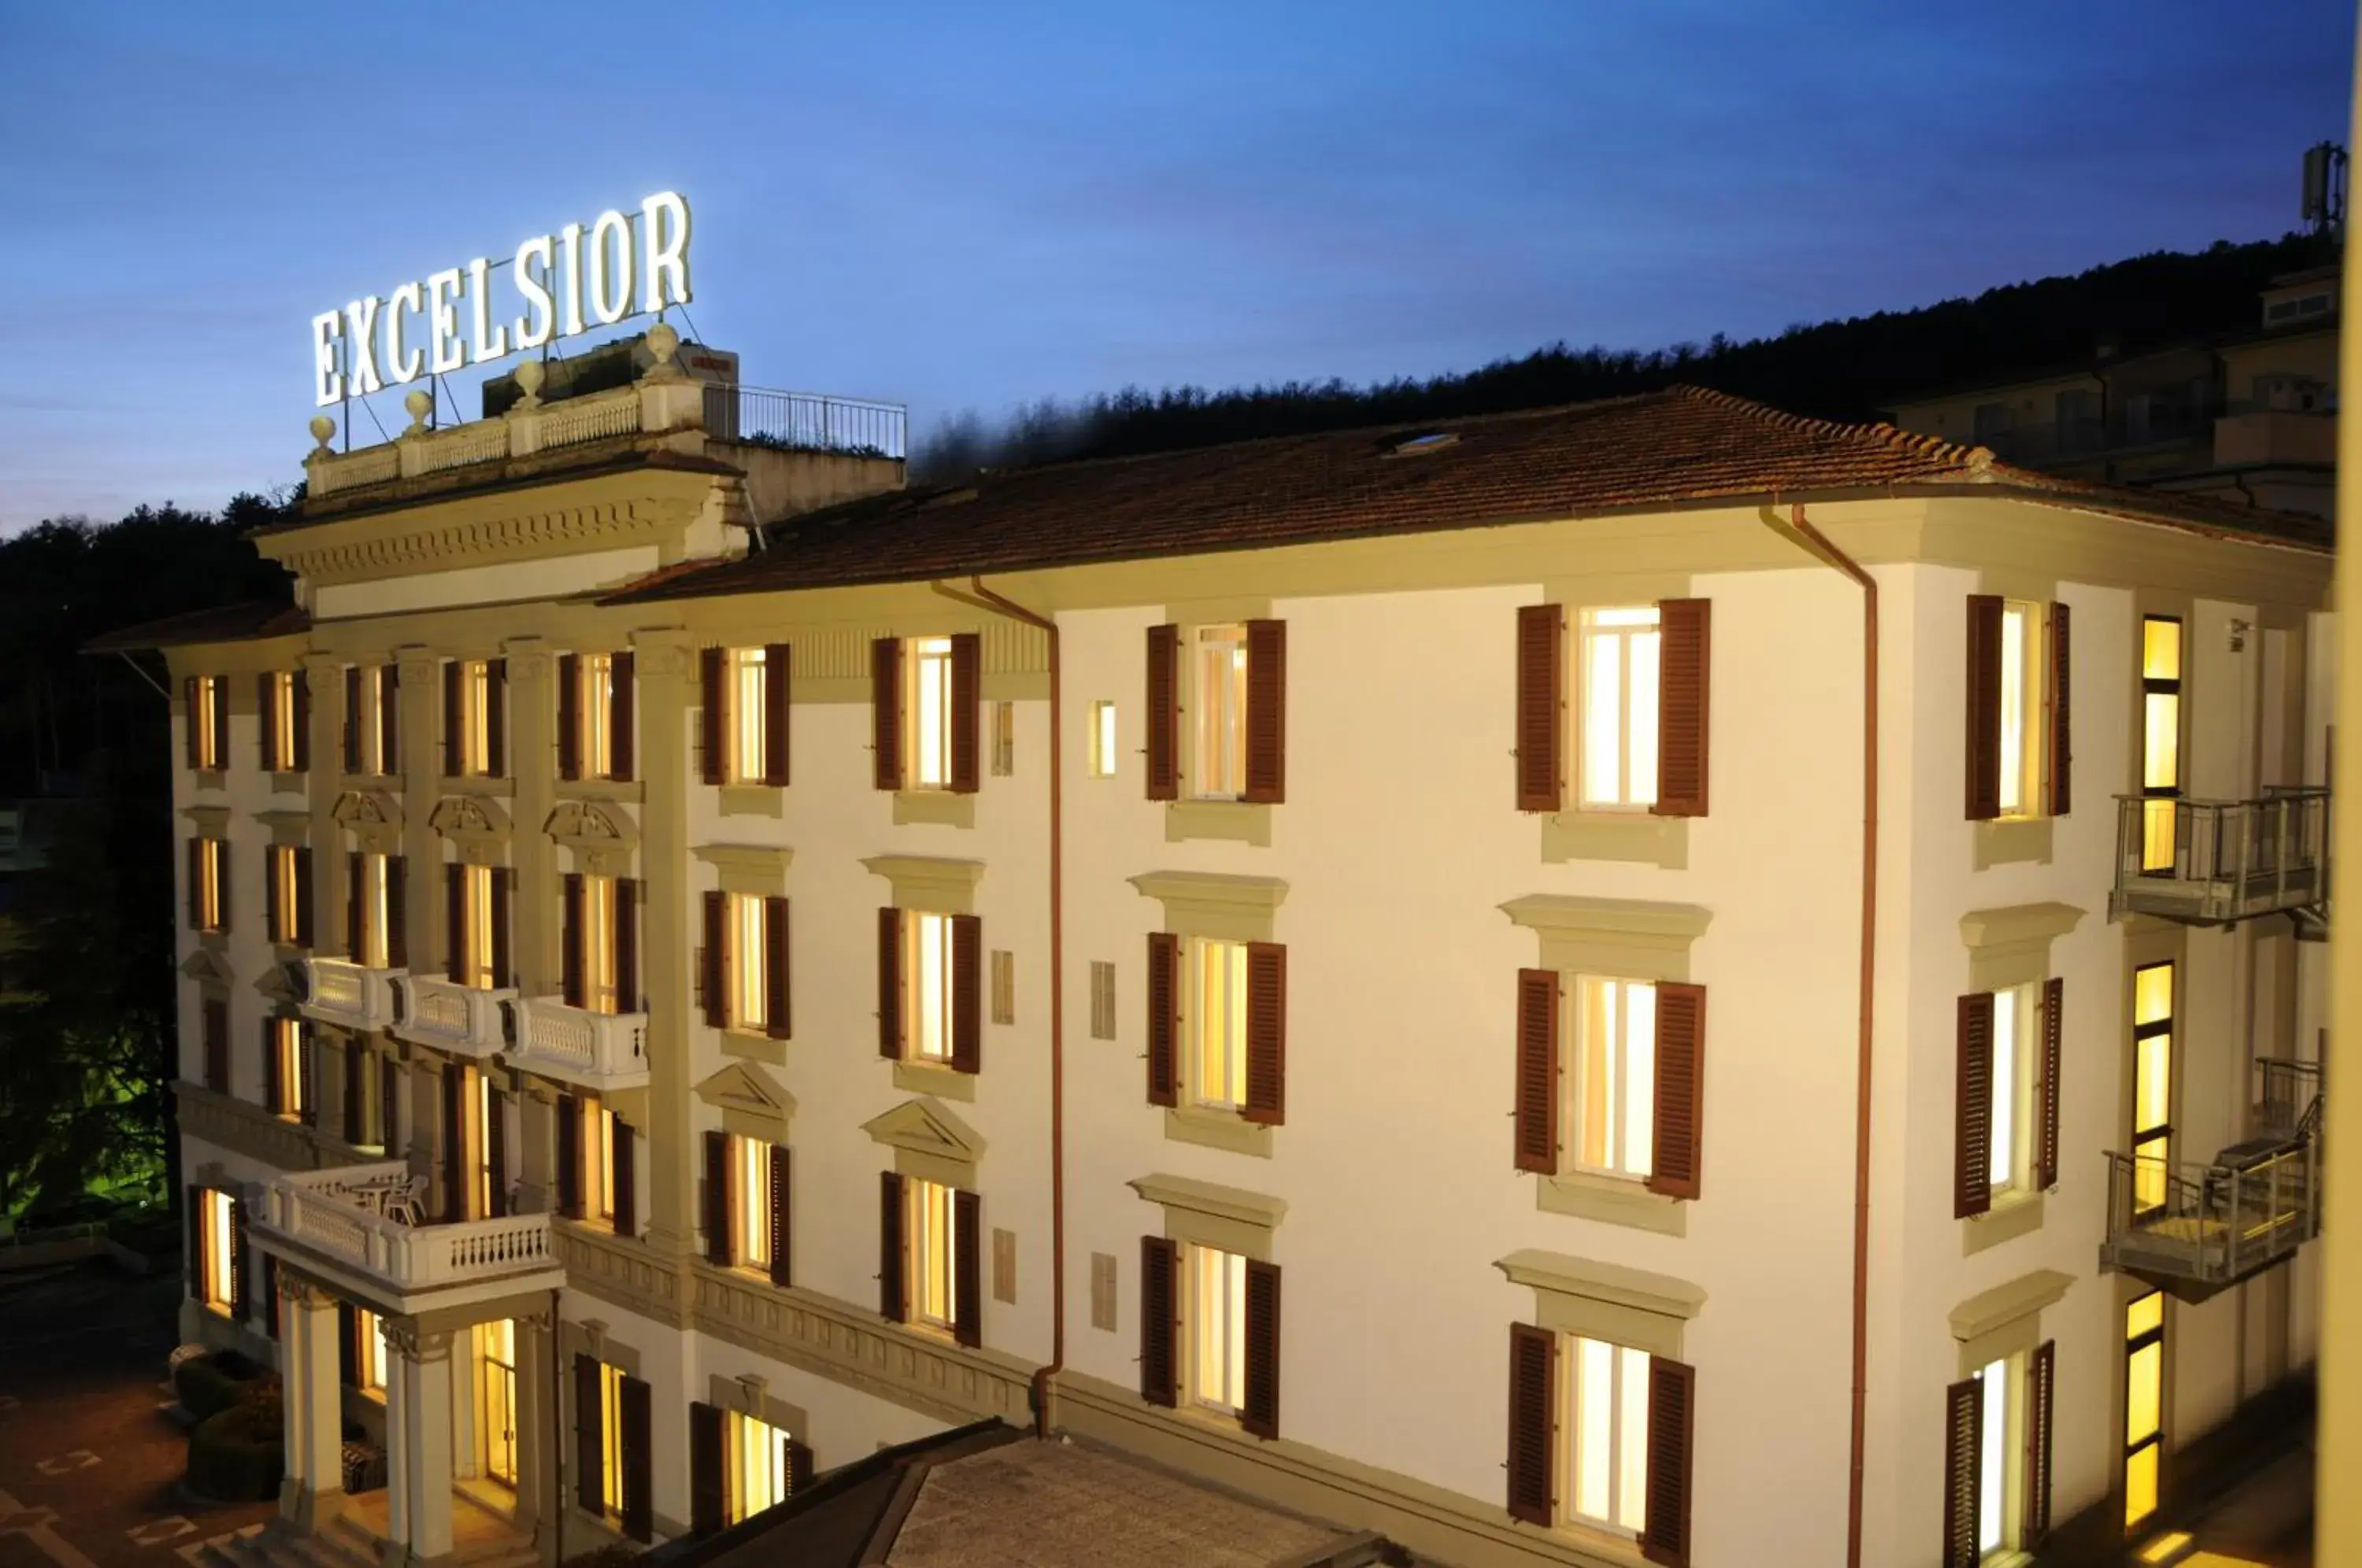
[964, 205]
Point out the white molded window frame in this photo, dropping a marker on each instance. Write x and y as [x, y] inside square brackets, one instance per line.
[2016, 1034]
[2001, 1448]
[1213, 1328]
[750, 1202]
[2025, 650]
[750, 991]
[1619, 652]
[376, 947]
[927, 705]
[369, 1359]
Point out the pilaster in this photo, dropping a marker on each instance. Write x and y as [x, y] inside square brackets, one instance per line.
[533, 749]
[313, 1492]
[422, 786]
[663, 661]
[418, 1443]
[324, 674]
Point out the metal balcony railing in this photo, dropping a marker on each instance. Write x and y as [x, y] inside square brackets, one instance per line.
[2214, 862]
[807, 422]
[598, 1050]
[466, 1020]
[339, 991]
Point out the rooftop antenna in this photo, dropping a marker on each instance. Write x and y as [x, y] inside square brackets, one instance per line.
[2324, 189]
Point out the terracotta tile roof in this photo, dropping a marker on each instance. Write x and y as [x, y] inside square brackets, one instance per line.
[253, 619]
[1685, 445]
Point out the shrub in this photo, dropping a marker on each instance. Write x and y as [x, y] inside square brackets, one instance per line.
[238, 1455]
[616, 1554]
[209, 1385]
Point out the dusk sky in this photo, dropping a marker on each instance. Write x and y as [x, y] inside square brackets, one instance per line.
[967, 206]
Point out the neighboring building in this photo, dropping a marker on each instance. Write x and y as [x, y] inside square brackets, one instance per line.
[682, 989]
[2249, 419]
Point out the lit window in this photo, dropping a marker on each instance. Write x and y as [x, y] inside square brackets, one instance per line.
[927, 1229]
[374, 947]
[1607, 1447]
[1615, 1085]
[372, 718]
[475, 926]
[1215, 1332]
[758, 1465]
[2160, 740]
[748, 707]
[750, 1167]
[2144, 1404]
[279, 721]
[219, 1236]
[1220, 672]
[370, 1357]
[2016, 1017]
[602, 978]
[1218, 1023]
[1999, 1504]
[598, 711]
[929, 703]
[749, 1002]
[2152, 1084]
[287, 1049]
[211, 890]
[1004, 739]
[486, 1102]
[376, 1123]
[286, 892]
[603, 1160]
[927, 987]
[611, 1440]
[1619, 654]
[496, 1399]
[475, 720]
[205, 721]
[2021, 707]
[1102, 740]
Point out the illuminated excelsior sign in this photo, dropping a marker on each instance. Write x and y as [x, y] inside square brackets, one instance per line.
[570, 281]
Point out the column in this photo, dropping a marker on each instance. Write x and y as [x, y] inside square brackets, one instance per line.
[314, 1490]
[537, 1132]
[324, 674]
[421, 787]
[534, 1413]
[533, 760]
[663, 661]
[417, 1443]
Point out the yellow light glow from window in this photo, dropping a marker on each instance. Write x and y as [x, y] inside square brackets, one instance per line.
[759, 1455]
[601, 980]
[282, 720]
[2161, 649]
[376, 909]
[749, 998]
[1616, 1081]
[2144, 1316]
[1222, 700]
[610, 1438]
[1102, 740]
[2165, 1547]
[928, 1031]
[1221, 1023]
[754, 1202]
[1992, 1454]
[2002, 1151]
[2140, 1486]
[2143, 1379]
[1632, 1443]
[2158, 832]
[1620, 683]
[1217, 1309]
[1595, 1425]
[2162, 741]
[2153, 993]
[748, 717]
[931, 712]
[597, 714]
[929, 1225]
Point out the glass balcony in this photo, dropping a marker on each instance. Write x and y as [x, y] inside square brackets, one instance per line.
[2216, 862]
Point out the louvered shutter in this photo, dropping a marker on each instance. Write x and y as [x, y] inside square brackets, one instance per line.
[782, 1192]
[2062, 735]
[1266, 1100]
[570, 940]
[303, 896]
[889, 1246]
[221, 721]
[1680, 1115]
[454, 1152]
[2041, 1377]
[569, 716]
[638, 1439]
[1541, 706]
[307, 1074]
[1673, 1413]
[496, 1155]
[238, 1304]
[266, 732]
[625, 1179]
[716, 967]
[1533, 1356]
[1537, 1095]
[779, 1019]
[1973, 1108]
[454, 922]
[778, 666]
[274, 1093]
[193, 737]
[2045, 1127]
[454, 731]
[389, 719]
[1984, 707]
[503, 892]
[356, 932]
[1266, 716]
[299, 685]
[968, 706]
[890, 984]
[718, 1250]
[496, 716]
[1684, 712]
[713, 714]
[623, 752]
[800, 1467]
[886, 711]
[1164, 991]
[1162, 723]
[1160, 1262]
[388, 1083]
[968, 1268]
[397, 911]
[705, 1472]
[223, 886]
[570, 1156]
[196, 884]
[590, 1449]
[1964, 1405]
[1259, 1416]
[352, 730]
[356, 1063]
[627, 945]
[967, 994]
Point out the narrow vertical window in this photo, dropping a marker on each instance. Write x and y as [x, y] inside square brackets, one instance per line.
[475, 926]
[2160, 741]
[1614, 1086]
[927, 1231]
[286, 896]
[927, 987]
[602, 1153]
[601, 976]
[750, 1179]
[748, 709]
[287, 1068]
[375, 907]
[928, 705]
[1219, 681]
[2015, 1030]
[598, 714]
[611, 1440]
[2021, 687]
[210, 891]
[1605, 1479]
[1103, 740]
[205, 721]
[2152, 1084]
[758, 1465]
[1214, 1334]
[1218, 1023]
[1618, 684]
[2144, 1404]
[369, 1354]
[749, 978]
[1004, 739]
[278, 720]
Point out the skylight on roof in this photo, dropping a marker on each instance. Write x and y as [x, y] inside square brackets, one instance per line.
[1431, 441]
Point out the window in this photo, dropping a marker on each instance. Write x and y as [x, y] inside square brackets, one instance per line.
[1606, 1446]
[496, 1399]
[1103, 1000]
[601, 972]
[209, 884]
[1218, 1023]
[1619, 687]
[1615, 1084]
[2144, 1404]
[474, 693]
[598, 714]
[478, 907]
[758, 1468]
[2003, 1381]
[1214, 1328]
[1219, 672]
[2160, 741]
[2020, 708]
[283, 722]
[369, 1357]
[927, 1025]
[208, 721]
[594, 716]
[611, 1440]
[927, 1253]
[1102, 760]
[748, 950]
[602, 1154]
[373, 904]
[290, 1072]
[929, 704]
[2009, 1146]
[748, 711]
[486, 1135]
[2017, 748]
[372, 719]
[291, 895]
[2152, 1084]
[750, 1207]
[369, 1112]
[217, 1235]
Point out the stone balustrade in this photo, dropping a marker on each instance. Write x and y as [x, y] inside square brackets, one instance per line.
[598, 1050]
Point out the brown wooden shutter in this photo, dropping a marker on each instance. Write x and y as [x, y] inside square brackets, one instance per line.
[192, 738]
[889, 1246]
[1964, 1405]
[274, 919]
[397, 911]
[196, 884]
[2041, 1379]
[389, 1085]
[1541, 708]
[1266, 717]
[782, 1209]
[627, 945]
[1973, 1108]
[967, 709]
[1259, 1416]
[635, 1416]
[1160, 1328]
[800, 1467]
[454, 1152]
[1680, 1117]
[503, 892]
[496, 1154]
[216, 1037]
[454, 922]
[968, 1268]
[496, 716]
[1266, 1035]
[1161, 730]
[266, 732]
[706, 1468]
[192, 1252]
[718, 1239]
[2045, 1127]
[569, 716]
[1534, 1380]
[349, 1345]
[1683, 712]
[2062, 735]
[1537, 1094]
[890, 984]
[570, 1156]
[779, 666]
[623, 752]
[237, 1260]
[570, 940]
[389, 719]
[1164, 991]
[352, 718]
[1673, 1412]
[590, 1451]
[303, 896]
[886, 711]
[356, 1063]
[454, 731]
[308, 1076]
[625, 1179]
[355, 923]
[274, 1093]
[967, 994]
[1984, 707]
[221, 721]
[223, 886]
[779, 1019]
[299, 684]
[713, 714]
[716, 967]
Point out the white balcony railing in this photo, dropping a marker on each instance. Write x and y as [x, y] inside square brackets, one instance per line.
[337, 991]
[463, 1019]
[334, 1212]
[600, 1050]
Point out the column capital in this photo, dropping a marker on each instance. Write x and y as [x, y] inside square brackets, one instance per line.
[298, 1291]
[663, 652]
[408, 1340]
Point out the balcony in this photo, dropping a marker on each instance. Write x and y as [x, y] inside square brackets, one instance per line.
[2218, 862]
[352, 1223]
[349, 995]
[597, 1050]
[2195, 1228]
[466, 1020]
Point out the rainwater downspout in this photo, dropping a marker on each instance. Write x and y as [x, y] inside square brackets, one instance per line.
[1819, 544]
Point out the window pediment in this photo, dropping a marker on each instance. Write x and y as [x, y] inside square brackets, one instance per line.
[470, 819]
[213, 821]
[926, 1126]
[205, 965]
[603, 837]
[934, 883]
[1634, 938]
[752, 1103]
[1212, 904]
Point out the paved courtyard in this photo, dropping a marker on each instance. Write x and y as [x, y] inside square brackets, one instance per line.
[89, 1460]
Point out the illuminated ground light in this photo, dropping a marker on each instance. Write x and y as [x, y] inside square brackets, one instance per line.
[2165, 1548]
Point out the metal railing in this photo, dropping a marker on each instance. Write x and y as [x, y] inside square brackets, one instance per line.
[2229, 859]
[2288, 1098]
[329, 1211]
[600, 1050]
[445, 1013]
[807, 422]
[2209, 1224]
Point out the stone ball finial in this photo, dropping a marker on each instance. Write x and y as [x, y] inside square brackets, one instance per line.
[421, 402]
[323, 427]
[530, 376]
[663, 344]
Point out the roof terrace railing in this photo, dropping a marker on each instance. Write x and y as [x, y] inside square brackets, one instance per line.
[807, 422]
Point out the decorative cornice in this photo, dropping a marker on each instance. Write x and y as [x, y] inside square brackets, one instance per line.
[233, 1124]
[926, 1126]
[470, 819]
[432, 538]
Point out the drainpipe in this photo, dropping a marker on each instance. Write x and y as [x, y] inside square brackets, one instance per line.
[1820, 546]
[1045, 1377]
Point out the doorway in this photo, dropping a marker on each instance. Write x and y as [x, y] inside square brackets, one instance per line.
[496, 1401]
